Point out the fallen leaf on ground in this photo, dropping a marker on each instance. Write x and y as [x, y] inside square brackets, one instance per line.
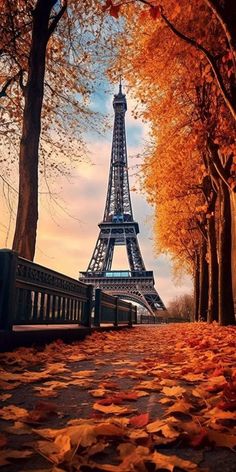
[165, 426]
[41, 412]
[12, 412]
[77, 357]
[19, 428]
[111, 409]
[222, 439]
[5, 396]
[54, 451]
[163, 461]
[100, 392]
[139, 420]
[149, 385]
[137, 434]
[194, 377]
[173, 391]
[133, 460]
[141, 393]
[83, 373]
[179, 406]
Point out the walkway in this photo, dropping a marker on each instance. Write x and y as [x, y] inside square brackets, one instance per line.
[144, 399]
[28, 335]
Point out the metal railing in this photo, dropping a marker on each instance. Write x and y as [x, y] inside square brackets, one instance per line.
[31, 294]
[106, 311]
[149, 319]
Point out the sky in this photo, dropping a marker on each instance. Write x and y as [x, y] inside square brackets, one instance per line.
[65, 243]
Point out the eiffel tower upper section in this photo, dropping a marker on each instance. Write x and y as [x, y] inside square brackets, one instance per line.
[118, 202]
[119, 228]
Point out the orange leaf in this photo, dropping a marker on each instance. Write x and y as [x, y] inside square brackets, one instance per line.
[100, 392]
[111, 409]
[140, 420]
[173, 391]
[200, 439]
[155, 11]
[180, 406]
[57, 450]
[163, 461]
[132, 396]
[222, 439]
[107, 5]
[107, 429]
[115, 10]
[41, 412]
[138, 434]
[12, 412]
[118, 398]
[108, 384]
[110, 400]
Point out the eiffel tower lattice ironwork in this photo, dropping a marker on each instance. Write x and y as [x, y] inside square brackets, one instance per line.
[119, 228]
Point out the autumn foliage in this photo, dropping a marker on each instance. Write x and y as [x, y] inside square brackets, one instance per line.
[179, 60]
[122, 401]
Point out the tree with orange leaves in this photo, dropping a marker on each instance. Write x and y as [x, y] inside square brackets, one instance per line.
[161, 65]
[46, 51]
[171, 181]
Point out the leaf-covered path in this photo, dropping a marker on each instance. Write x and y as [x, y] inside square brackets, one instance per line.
[150, 398]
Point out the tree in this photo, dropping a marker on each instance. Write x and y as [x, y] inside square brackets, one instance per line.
[48, 47]
[27, 212]
[159, 71]
[182, 307]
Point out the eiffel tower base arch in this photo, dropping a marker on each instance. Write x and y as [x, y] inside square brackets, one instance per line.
[137, 287]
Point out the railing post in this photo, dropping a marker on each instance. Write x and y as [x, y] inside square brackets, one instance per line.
[8, 262]
[98, 307]
[86, 321]
[116, 311]
[130, 314]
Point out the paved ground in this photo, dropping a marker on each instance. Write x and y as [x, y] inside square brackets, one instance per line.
[144, 399]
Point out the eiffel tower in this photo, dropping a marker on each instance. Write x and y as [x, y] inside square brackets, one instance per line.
[119, 228]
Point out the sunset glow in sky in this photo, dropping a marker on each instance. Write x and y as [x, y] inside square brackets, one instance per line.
[66, 244]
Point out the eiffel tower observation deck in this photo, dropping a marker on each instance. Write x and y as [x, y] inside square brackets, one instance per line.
[119, 228]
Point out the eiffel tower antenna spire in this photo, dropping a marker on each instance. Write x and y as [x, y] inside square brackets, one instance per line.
[120, 85]
[119, 228]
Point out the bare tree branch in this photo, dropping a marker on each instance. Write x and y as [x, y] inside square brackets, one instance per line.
[56, 19]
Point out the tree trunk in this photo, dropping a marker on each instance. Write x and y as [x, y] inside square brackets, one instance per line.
[196, 287]
[27, 212]
[233, 258]
[203, 282]
[229, 13]
[226, 305]
[213, 271]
